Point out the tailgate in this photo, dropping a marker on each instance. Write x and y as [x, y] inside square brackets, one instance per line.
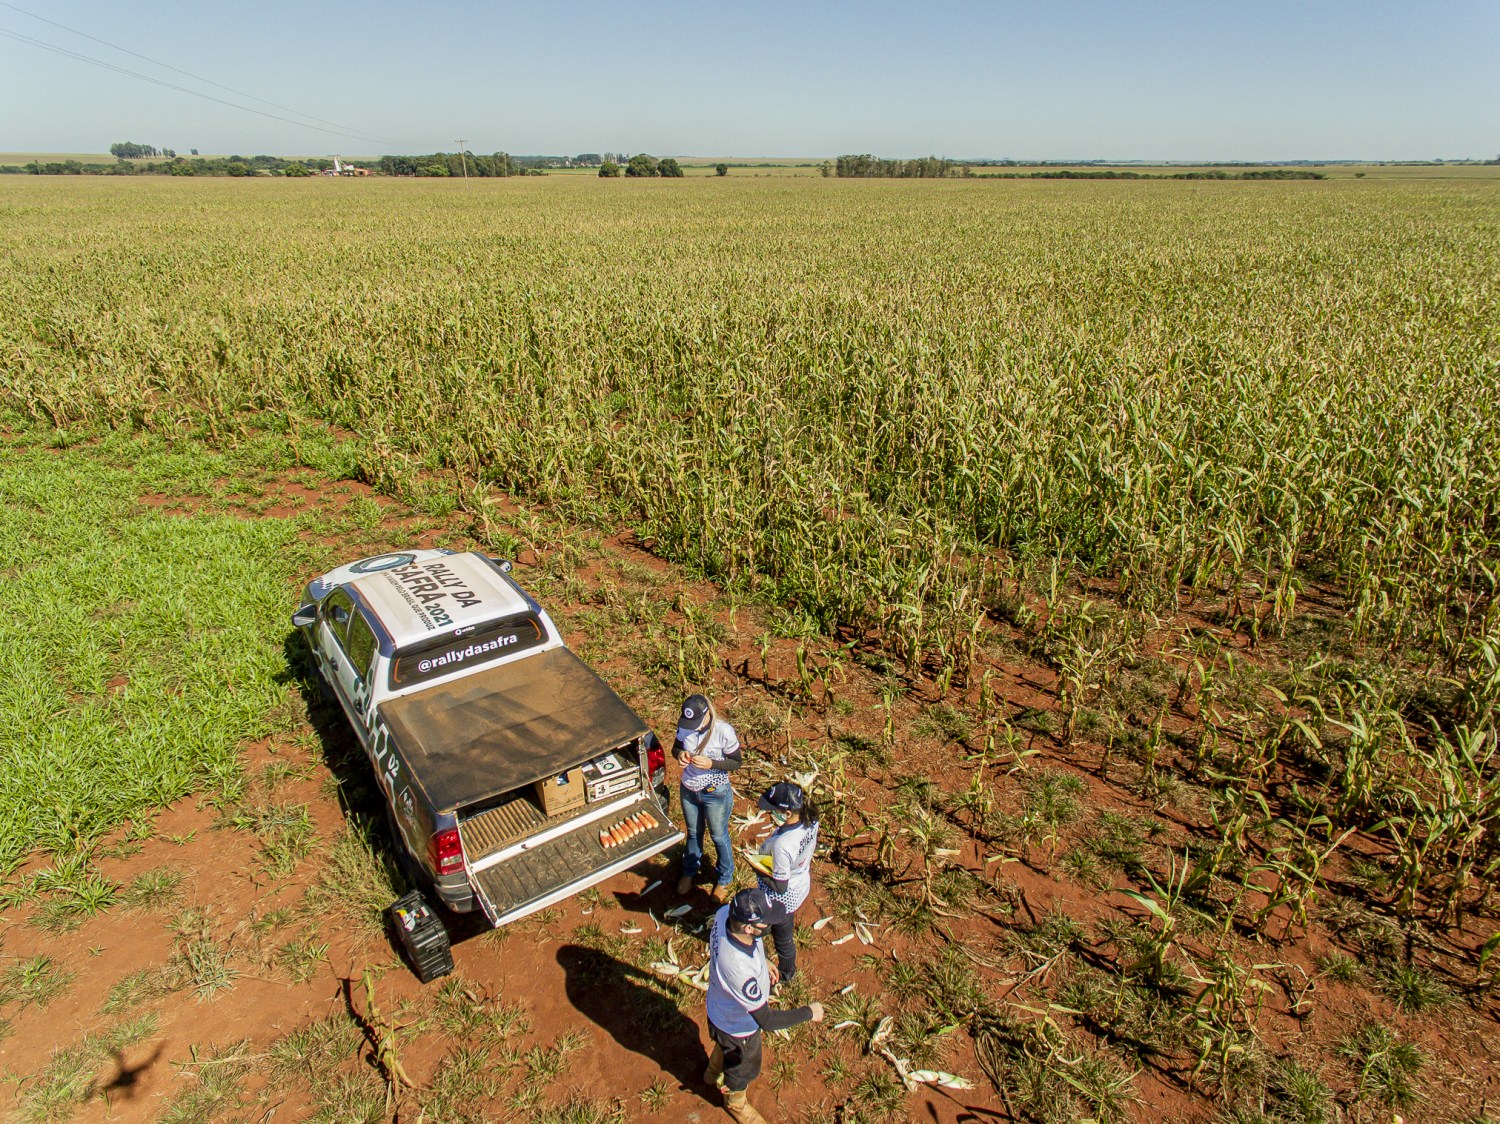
[558, 866]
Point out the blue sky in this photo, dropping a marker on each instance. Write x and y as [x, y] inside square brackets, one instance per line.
[1132, 79]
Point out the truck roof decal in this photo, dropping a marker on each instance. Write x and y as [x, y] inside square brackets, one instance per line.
[427, 597]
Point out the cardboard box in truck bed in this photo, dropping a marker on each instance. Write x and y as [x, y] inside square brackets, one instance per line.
[561, 793]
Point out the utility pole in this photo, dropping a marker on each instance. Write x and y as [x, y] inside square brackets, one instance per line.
[464, 157]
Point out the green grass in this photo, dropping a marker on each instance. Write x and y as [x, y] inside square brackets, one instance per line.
[156, 888]
[35, 982]
[216, 1078]
[20, 158]
[1385, 1067]
[285, 831]
[150, 646]
[133, 989]
[355, 879]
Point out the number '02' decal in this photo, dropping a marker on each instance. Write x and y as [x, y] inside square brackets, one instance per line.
[387, 766]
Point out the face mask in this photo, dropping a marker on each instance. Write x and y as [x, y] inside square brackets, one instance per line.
[778, 818]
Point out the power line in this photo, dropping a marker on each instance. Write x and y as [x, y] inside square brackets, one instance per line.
[344, 130]
[195, 93]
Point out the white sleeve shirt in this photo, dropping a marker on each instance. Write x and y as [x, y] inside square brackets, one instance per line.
[739, 979]
[791, 849]
[720, 740]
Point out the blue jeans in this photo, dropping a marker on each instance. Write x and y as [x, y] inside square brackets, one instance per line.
[711, 810]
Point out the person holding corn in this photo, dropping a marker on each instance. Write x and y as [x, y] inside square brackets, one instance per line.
[708, 749]
[784, 866]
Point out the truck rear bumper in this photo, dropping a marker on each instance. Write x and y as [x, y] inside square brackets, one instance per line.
[456, 894]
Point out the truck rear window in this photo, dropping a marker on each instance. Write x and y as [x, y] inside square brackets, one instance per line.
[485, 644]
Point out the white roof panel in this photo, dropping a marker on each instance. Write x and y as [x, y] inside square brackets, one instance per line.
[430, 596]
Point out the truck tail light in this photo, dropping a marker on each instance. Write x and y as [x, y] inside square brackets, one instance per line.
[446, 851]
[656, 763]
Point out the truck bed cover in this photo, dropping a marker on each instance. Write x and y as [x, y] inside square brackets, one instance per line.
[507, 726]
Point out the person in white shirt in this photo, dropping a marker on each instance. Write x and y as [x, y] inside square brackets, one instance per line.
[739, 981]
[708, 749]
[790, 848]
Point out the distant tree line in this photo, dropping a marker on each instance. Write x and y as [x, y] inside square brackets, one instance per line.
[642, 165]
[1116, 174]
[129, 150]
[181, 166]
[242, 166]
[582, 160]
[442, 164]
[62, 168]
[869, 167]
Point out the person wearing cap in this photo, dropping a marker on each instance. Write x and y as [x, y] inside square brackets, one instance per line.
[740, 979]
[790, 848]
[708, 749]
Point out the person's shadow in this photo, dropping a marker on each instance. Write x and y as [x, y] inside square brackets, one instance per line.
[620, 998]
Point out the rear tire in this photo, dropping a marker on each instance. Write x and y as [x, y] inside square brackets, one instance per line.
[411, 870]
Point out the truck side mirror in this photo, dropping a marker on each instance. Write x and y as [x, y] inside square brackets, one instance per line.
[304, 616]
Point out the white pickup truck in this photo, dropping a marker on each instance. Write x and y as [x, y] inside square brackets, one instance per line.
[513, 774]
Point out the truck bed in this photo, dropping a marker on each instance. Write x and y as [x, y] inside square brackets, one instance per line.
[499, 729]
[550, 871]
[499, 827]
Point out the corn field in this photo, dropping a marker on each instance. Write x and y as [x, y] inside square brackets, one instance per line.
[1120, 420]
[849, 395]
[883, 404]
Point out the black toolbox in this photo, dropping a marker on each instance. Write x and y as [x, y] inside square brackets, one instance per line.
[420, 931]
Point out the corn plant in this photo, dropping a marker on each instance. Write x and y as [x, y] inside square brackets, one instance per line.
[1297, 866]
[864, 463]
[1224, 1010]
[1168, 898]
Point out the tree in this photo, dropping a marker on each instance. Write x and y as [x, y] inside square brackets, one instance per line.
[297, 169]
[238, 168]
[867, 166]
[129, 150]
[721, 169]
[609, 168]
[641, 164]
[669, 168]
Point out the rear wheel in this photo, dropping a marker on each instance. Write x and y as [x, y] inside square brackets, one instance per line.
[416, 878]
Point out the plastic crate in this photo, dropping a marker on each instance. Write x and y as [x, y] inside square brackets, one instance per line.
[421, 933]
